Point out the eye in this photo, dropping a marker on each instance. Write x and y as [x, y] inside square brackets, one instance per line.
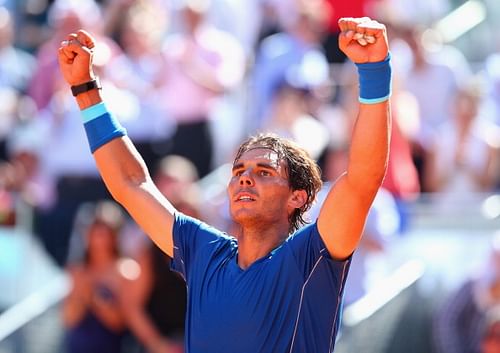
[238, 173]
[264, 173]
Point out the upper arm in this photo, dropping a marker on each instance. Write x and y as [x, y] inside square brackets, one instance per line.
[128, 180]
[342, 218]
[344, 211]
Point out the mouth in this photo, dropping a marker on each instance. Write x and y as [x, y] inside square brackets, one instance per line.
[244, 197]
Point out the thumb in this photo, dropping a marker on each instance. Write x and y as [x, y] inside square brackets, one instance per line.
[75, 47]
[345, 38]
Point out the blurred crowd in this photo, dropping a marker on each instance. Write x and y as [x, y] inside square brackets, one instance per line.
[190, 79]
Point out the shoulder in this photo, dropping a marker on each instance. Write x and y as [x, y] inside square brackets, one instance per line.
[188, 225]
[307, 237]
[310, 229]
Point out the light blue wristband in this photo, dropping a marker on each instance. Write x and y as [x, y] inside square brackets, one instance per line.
[375, 80]
[100, 126]
[93, 112]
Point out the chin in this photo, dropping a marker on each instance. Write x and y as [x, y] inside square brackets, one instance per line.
[243, 216]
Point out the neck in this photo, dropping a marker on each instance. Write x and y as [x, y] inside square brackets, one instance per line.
[256, 242]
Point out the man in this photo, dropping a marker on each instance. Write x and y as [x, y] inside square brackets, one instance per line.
[266, 291]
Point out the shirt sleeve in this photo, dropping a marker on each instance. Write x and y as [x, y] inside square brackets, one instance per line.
[307, 248]
[190, 236]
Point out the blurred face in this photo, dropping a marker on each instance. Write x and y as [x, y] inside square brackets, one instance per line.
[192, 19]
[290, 104]
[101, 240]
[6, 30]
[259, 190]
[68, 22]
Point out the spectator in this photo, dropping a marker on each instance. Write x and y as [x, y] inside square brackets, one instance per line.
[290, 117]
[16, 65]
[140, 72]
[202, 64]
[92, 312]
[64, 16]
[459, 322]
[156, 303]
[461, 160]
[296, 53]
[434, 83]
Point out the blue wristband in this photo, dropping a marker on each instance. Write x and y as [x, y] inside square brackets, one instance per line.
[100, 126]
[375, 81]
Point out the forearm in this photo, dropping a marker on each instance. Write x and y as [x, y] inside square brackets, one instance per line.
[74, 309]
[118, 161]
[130, 184]
[369, 149]
[88, 99]
[109, 313]
[121, 167]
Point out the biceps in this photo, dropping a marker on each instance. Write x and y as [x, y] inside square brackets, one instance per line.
[342, 218]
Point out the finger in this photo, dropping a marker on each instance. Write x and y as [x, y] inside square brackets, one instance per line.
[76, 47]
[370, 39]
[357, 36]
[364, 38]
[62, 57]
[373, 28]
[85, 39]
[350, 23]
[362, 41]
[347, 23]
[66, 55]
[345, 38]
[72, 37]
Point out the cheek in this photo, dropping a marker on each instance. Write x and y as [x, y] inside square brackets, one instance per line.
[277, 193]
[230, 186]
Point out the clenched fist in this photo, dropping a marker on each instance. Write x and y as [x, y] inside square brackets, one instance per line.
[363, 40]
[75, 58]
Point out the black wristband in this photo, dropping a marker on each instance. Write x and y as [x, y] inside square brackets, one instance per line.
[85, 87]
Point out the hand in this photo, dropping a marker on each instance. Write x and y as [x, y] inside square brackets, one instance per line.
[363, 40]
[165, 346]
[82, 286]
[75, 58]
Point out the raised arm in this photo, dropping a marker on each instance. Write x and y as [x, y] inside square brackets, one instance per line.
[119, 163]
[343, 214]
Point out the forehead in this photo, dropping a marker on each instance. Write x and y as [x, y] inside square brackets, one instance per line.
[260, 154]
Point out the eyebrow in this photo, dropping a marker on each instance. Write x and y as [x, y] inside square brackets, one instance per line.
[240, 165]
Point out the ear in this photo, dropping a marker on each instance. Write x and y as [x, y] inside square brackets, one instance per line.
[297, 199]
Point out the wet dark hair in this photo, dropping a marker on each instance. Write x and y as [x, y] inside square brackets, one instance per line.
[302, 171]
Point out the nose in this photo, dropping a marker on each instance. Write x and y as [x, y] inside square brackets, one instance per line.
[245, 179]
